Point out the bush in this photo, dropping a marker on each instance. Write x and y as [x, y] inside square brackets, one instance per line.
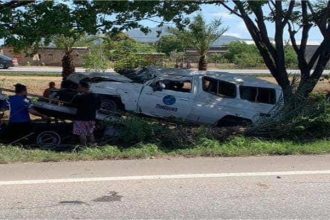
[130, 62]
[135, 130]
[235, 49]
[96, 60]
[307, 120]
[246, 55]
[218, 58]
[244, 60]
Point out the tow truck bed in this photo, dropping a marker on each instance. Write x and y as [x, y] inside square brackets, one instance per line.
[65, 112]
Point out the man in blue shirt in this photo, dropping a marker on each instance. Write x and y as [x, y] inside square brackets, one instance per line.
[19, 118]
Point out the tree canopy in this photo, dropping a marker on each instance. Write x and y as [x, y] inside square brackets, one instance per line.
[200, 36]
[26, 25]
[169, 43]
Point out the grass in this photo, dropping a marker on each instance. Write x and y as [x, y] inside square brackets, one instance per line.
[29, 74]
[238, 146]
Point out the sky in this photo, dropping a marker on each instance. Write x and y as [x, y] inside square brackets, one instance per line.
[236, 25]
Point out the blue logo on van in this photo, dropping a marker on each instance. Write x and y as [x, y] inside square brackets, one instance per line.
[169, 100]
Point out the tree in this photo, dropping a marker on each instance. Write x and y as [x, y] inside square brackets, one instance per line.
[96, 60]
[126, 52]
[119, 46]
[67, 43]
[291, 16]
[46, 22]
[168, 44]
[6, 14]
[201, 36]
[26, 25]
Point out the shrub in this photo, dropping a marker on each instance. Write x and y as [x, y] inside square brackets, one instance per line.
[308, 120]
[246, 55]
[130, 62]
[237, 48]
[96, 60]
[244, 60]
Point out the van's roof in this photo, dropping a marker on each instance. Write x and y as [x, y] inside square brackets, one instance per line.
[111, 76]
[240, 79]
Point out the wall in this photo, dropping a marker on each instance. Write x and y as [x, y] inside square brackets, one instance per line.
[46, 56]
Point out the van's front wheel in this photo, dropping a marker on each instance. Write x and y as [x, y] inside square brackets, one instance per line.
[109, 105]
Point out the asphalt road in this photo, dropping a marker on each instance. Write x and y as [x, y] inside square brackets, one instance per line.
[47, 69]
[253, 187]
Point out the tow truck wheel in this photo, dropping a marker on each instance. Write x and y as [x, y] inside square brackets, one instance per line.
[109, 105]
[48, 140]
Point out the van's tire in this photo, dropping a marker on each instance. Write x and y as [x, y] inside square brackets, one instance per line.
[231, 121]
[109, 105]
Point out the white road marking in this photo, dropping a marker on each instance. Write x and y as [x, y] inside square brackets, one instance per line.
[164, 177]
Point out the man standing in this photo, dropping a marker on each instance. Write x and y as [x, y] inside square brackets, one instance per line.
[87, 104]
[20, 109]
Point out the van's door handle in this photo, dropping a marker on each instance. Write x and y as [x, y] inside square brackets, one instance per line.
[148, 93]
[184, 99]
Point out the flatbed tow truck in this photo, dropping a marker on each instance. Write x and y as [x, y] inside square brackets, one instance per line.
[56, 133]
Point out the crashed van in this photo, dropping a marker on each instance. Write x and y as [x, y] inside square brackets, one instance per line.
[201, 97]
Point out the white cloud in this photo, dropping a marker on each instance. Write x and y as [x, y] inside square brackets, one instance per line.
[233, 34]
[222, 14]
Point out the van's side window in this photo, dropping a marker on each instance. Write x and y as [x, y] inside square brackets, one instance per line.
[178, 86]
[219, 87]
[257, 94]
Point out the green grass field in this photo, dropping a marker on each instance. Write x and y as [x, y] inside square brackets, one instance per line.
[238, 146]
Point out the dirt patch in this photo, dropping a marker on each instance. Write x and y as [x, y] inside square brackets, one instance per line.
[36, 84]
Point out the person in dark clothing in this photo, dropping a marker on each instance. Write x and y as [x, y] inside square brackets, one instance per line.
[67, 92]
[47, 92]
[19, 118]
[87, 104]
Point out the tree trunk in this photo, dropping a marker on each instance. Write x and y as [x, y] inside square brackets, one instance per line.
[202, 64]
[305, 87]
[67, 65]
